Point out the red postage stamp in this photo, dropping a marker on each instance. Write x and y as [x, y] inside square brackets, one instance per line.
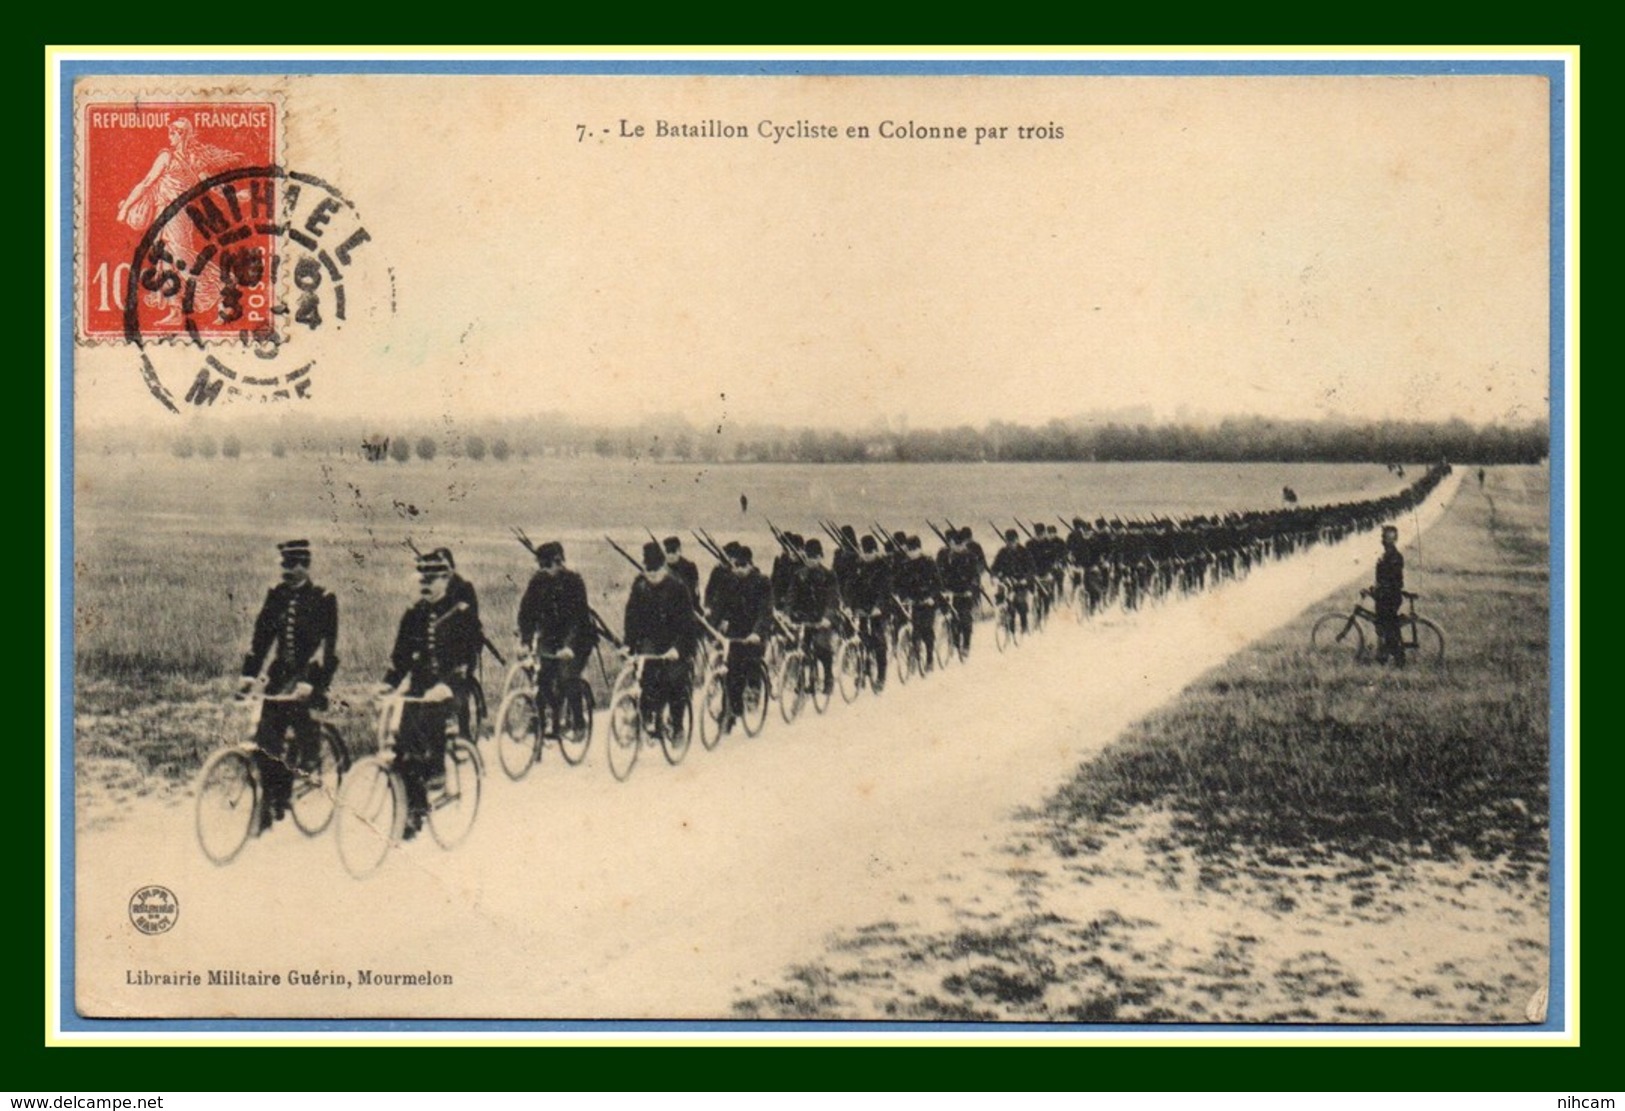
[175, 242]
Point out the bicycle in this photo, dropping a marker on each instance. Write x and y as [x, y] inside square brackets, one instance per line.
[230, 799]
[714, 715]
[1006, 618]
[854, 663]
[374, 800]
[905, 647]
[1340, 632]
[524, 725]
[799, 680]
[628, 732]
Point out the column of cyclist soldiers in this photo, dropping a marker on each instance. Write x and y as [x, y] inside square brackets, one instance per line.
[854, 607]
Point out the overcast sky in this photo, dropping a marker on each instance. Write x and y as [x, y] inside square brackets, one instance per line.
[1291, 247]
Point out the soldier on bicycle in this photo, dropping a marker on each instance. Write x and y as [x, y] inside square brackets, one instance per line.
[299, 621]
[660, 620]
[870, 599]
[436, 638]
[920, 584]
[741, 609]
[555, 622]
[814, 600]
[962, 579]
[1013, 568]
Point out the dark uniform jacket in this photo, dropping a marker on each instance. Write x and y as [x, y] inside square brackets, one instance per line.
[434, 643]
[1013, 562]
[302, 623]
[1390, 587]
[919, 581]
[660, 616]
[743, 605]
[871, 586]
[961, 572]
[814, 594]
[685, 569]
[554, 614]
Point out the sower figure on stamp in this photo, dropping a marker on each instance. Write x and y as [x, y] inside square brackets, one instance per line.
[660, 622]
[742, 610]
[293, 649]
[555, 622]
[1389, 594]
[437, 635]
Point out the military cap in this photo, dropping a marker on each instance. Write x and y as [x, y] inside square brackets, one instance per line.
[1010, 535]
[672, 544]
[432, 564]
[742, 553]
[294, 551]
[813, 548]
[444, 555]
[732, 549]
[549, 551]
[653, 557]
[869, 544]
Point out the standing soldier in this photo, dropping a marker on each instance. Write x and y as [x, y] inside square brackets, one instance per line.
[299, 622]
[681, 566]
[814, 598]
[742, 610]
[437, 636]
[555, 622]
[1389, 594]
[660, 623]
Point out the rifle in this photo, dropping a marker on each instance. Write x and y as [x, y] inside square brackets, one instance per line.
[1027, 531]
[998, 533]
[936, 530]
[885, 541]
[635, 564]
[715, 552]
[519, 535]
[885, 537]
[714, 546]
[603, 630]
[835, 535]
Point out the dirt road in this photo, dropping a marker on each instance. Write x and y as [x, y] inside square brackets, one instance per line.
[667, 896]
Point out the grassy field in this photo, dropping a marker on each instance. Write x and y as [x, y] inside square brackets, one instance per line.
[1296, 838]
[172, 557]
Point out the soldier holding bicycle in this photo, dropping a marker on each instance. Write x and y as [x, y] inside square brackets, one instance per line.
[660, 622]
[293, 650]
[555, 623]
[814, 601]
[437, 637]
[1388, 594]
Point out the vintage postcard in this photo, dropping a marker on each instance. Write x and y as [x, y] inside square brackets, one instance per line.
[709, 547]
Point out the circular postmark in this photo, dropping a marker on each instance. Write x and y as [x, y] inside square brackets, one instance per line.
[243, 282]
[154, 908]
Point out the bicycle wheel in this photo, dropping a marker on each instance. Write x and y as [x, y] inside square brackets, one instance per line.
[575, 737]
[228, 803]
[1338, 633]
[1001, 630]
[902, 652]
[945, 640]
[849, 669]
[713, 707]
[316, 790]
[816, 690]
[518, 726]
[756, 698]
[371, 813]
[674, 743]
[474, 708]
[792, 690]
[1429, 646]
[625, 734]
[453, 809]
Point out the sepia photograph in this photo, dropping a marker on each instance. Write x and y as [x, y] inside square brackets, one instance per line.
[828, 546]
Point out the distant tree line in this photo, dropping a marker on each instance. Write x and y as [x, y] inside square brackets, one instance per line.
[1234, 439]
